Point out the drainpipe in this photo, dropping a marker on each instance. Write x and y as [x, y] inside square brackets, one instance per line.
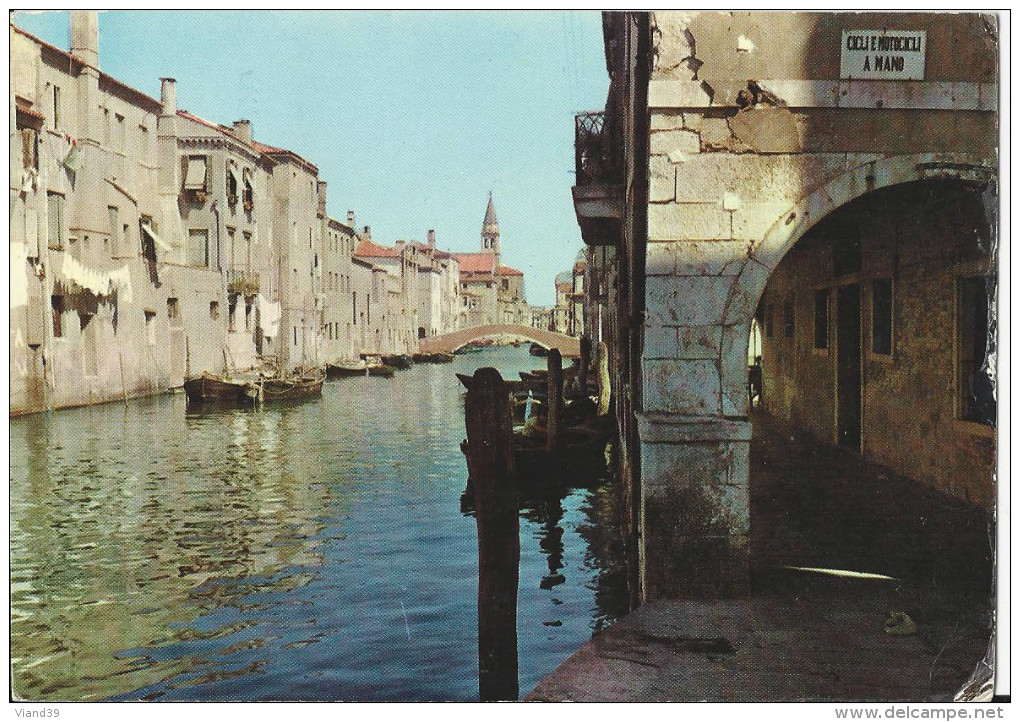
[215, 208]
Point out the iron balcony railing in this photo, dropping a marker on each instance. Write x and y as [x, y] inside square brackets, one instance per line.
[596, 155]
[242, 281]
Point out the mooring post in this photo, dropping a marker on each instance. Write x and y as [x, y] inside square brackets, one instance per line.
[605, 390]
[490, 465]
[585, 362]
[554, 397]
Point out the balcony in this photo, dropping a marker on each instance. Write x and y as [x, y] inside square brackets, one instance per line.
[241, 282]
[598, 193]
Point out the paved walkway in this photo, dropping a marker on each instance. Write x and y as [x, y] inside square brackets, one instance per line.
[803, 635]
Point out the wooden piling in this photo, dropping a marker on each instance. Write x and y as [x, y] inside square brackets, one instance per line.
[585, 362]
[605, 390]
[554, 398]
[490, 465]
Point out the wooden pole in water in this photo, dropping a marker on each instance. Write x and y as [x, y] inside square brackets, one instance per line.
[585, 362]
[554, 394]
[123, 384]
[605, 390]
[490, 465]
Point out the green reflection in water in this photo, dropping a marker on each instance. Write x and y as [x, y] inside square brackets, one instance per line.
[114, 535]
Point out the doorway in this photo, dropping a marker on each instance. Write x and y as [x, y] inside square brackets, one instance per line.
[848, 366]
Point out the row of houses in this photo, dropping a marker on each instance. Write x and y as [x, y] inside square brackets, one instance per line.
[149, 244]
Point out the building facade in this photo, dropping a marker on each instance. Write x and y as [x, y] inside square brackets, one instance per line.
[829, 177]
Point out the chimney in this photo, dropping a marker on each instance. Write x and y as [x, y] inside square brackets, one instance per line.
[85, 36]
[168, 96]
[432, 238]
[350, 219]
[320, 188]
[367, 232]
[242, 130]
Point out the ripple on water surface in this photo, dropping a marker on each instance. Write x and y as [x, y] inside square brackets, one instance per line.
[313, 551]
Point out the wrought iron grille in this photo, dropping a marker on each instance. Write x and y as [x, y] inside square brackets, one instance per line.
[595, 161]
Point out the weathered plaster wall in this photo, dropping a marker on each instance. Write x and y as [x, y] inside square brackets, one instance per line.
[754, 139]
[910, 396]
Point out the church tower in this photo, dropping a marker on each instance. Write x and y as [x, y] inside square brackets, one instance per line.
[490, 234]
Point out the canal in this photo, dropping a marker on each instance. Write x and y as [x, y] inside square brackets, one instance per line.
[313, 551]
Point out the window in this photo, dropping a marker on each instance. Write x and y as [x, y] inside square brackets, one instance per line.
[295, 335]
[506, 284]
[57, 304]
[55, 203]
[119, 142]
[196, 168]
[173, 312]
[788, 318]
[29, 149]
[976, 400]
[247, 248]
[55, 118]
[231, 233]
[114, 215]
[881, 316]
[214, 310]
[198, 247]
[150, 327]
[249, 190]
[846, 255]
[248, 305]
[232, 313]
[822, 318]
[232, 184]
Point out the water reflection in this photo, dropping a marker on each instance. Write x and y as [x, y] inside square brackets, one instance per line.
[309, 552]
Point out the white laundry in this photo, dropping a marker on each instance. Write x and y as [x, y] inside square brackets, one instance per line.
[269, 316]
[101, 283]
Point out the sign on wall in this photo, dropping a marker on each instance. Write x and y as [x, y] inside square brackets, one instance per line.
[883, 54]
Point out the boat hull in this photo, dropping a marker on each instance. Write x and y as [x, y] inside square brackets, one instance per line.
[209, 388]
[338, 371]
[295, 389]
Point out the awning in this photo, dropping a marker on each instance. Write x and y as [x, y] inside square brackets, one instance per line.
[147, 230]
[194, 179]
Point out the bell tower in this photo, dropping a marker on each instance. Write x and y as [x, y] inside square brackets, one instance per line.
[490, 234]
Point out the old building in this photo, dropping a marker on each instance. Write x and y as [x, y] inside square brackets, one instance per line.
[492, 293]
[90, 311]
[560, 313]
[149, 244]
[830, 177]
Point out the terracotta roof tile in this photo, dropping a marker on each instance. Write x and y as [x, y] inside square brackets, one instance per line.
[508, 271]
[474, 262]
[367, 249]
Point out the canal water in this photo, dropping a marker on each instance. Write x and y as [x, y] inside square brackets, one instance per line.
[312, 551]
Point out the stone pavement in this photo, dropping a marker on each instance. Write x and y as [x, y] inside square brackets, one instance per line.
[805, 635]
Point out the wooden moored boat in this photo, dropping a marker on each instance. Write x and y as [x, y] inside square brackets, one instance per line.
[210, 387]
[383, 370]
[537, 350]
[432, 358]
[346, 368]
[300, 386]
[398, 361]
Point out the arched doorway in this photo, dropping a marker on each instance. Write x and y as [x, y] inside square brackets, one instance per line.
[873, 449]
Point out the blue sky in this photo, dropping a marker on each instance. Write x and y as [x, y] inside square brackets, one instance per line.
[411, 117]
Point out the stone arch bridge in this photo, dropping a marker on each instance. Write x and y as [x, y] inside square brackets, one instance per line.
[569, 346]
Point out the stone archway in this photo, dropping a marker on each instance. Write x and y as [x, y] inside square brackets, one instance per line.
[694, 429]
[791, 225]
